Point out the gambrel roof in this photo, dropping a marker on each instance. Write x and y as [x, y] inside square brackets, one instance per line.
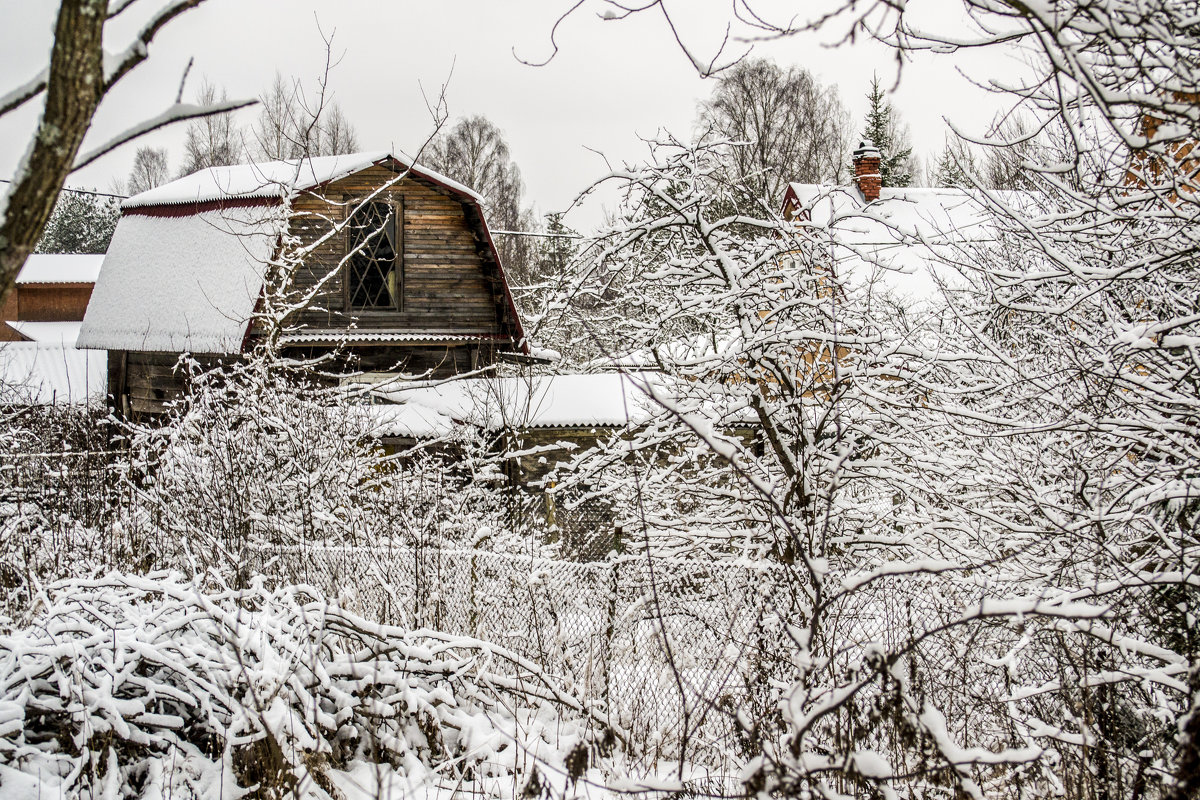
[276, 180]
[185, 283]
[187, 263]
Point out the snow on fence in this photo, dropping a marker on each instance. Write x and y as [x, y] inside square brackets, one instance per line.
[672, 648]
[603, 627]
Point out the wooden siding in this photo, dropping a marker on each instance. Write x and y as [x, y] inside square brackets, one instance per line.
[141, 384]
[53, 302]
[446, 284]
[9, 311]
[43, 302]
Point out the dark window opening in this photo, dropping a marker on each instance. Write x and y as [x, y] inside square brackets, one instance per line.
[374, 279]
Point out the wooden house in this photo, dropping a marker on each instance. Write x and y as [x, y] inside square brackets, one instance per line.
[49, 297]
[390, 269]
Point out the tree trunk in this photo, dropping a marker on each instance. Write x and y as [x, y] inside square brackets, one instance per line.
[74, 88]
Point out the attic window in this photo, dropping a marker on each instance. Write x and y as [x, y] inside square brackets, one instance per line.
[374, 279]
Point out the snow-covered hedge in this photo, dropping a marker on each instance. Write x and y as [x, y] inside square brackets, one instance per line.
[153, 686]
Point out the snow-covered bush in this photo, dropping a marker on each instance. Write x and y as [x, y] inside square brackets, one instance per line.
[260, 456]
[980, 502]
[153, 686]
[58, 492]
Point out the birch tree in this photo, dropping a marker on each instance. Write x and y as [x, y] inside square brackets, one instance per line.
[794, 128]
[291, 126]
[150, 169]
[213, 141]
[473, 151]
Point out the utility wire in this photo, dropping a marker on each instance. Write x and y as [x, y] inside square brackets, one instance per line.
[82, 191]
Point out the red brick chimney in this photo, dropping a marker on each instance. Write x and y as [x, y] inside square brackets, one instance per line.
[866, 170]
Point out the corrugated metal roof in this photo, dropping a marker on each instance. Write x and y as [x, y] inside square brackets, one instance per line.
[358, 336]
[33, 373]
[604, 400]
[60, 268]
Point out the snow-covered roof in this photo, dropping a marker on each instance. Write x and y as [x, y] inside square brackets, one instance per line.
[547, 401]
[275, 180]
[60, 333]
[36, 373]
[410, 420]
[60, 268]
[187, 262]
[896, 239]
[187, 283]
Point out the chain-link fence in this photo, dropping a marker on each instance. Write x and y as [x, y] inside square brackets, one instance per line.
[662, 645]
[673, 649]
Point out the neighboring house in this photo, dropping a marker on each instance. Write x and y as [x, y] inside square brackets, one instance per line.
[39, 363]
[50, 296]
[898, 238]
[1178, 169]
[394, 273]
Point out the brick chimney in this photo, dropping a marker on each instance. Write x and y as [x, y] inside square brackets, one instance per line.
[866, 170]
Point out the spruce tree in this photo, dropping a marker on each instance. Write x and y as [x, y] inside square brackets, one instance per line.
[883, 129]
[80, 223]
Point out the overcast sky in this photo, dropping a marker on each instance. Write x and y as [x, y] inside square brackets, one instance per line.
[609, 83]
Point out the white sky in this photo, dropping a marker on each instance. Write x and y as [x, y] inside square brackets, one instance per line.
[610, 83]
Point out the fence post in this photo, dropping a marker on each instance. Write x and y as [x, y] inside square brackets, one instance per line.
[472, 607]
[610, 634]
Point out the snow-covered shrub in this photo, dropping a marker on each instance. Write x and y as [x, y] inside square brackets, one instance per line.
[151, 686]
[261, 457]
[58, 494]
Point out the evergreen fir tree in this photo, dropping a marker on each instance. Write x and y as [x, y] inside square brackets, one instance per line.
[882, 128]
[557, 250]
[80, 223]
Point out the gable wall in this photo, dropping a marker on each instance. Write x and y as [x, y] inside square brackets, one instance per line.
[445, 286]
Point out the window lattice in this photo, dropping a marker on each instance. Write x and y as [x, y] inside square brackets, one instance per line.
[374, 274]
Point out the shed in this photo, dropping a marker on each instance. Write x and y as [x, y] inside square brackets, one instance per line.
[50, 288]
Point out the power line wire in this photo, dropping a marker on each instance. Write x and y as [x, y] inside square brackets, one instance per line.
[83, 191]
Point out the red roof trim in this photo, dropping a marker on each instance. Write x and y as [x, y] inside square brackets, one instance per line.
[522, 340]
[189, 209]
